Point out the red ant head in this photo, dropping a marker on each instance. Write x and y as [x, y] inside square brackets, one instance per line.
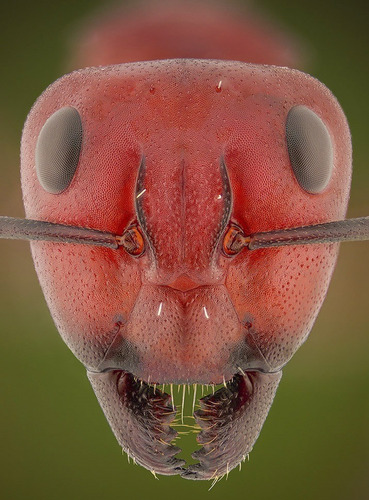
[179, 156]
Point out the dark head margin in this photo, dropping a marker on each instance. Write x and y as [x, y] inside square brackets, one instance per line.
[139, 197]
[227, 198]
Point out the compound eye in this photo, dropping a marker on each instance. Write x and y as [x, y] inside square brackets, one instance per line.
[58, 149]
[309, 148]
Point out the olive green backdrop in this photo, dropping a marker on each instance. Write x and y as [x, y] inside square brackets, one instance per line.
[55, 442]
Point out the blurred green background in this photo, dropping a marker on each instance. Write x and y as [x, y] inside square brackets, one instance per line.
[55, 442]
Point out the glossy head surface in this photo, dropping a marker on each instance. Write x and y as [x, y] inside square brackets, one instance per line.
[181, 149]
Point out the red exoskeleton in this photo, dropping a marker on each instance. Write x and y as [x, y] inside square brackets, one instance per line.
[185, 216]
